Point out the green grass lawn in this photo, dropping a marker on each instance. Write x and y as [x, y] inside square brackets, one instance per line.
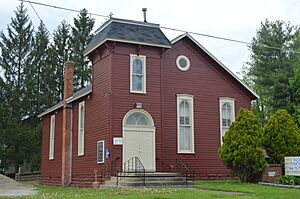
[248, 190]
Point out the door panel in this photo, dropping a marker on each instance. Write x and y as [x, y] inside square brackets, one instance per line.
[140, 144]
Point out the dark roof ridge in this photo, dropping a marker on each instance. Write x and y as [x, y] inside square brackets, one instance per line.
[126, 21]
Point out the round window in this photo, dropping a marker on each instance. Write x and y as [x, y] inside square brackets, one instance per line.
[183, 63]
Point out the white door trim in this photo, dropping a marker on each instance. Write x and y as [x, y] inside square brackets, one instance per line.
[150, 129]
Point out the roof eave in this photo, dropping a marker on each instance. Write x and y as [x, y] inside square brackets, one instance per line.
[51, 109]
[60, 104]
[216, 60]
[72, 98]
[85, 53]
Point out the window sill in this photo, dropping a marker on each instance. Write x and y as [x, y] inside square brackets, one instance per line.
[186, 152]
[137, 92]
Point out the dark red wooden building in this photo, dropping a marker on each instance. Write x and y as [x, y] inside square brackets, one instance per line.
[152, 98]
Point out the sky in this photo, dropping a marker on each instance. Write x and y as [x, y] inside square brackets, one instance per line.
[234, 19]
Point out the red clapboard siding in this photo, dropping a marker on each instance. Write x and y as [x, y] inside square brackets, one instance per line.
[207, 81]
[111, 99]
[51, 169]
[124, 101]
[97, 119]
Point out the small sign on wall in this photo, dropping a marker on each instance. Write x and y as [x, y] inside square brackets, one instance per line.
[100, 151]
[292, 166]
[118, 141]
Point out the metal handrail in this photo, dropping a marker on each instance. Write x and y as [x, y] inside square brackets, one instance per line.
[134, 165]
[182, 169]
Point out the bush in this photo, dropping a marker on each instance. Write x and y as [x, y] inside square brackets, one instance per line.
[242, 150]
[281, 137]
[289, 180]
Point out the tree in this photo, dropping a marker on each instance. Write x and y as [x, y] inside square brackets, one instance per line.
[295, 80]
[18, 140]
[242, 148]
[36, 100]
[281, 137]
[15, 59]
[81, 36]
[271, 67]
[59, 54]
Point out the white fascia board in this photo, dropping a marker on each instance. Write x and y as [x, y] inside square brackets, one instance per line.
[124, 41]
[215, 59]
[60, 104]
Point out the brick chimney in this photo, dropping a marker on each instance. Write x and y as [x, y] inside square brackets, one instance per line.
[66, 134]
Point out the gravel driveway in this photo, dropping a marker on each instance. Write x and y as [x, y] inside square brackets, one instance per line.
[9, 187]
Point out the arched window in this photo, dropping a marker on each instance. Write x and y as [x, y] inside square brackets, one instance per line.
[226, 115]
[137, 74]
[138, 118]
[185, 123]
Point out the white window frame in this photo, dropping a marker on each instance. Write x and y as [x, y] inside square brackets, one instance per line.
[81, 129]
[52, 137]
[101, 141]
[190, 100]
[132, 57]
[231, 101]
[188, 63]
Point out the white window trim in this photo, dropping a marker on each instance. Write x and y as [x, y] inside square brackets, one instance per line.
[132, 56]
[190, 99]
[188, 63]
[102, 152]
[52, 138]
[81, 152]
[223, 100]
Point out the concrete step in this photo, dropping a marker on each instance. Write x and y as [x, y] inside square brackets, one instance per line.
[137, 178]
[151, 180]
[150, 184]
[151, 174]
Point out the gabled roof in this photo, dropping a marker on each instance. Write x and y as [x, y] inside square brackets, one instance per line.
[81, 93]
[128, 31]
[215, 59]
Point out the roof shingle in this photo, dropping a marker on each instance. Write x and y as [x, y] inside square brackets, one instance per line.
[128, 31]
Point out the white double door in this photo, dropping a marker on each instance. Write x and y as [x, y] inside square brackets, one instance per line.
[140, 142]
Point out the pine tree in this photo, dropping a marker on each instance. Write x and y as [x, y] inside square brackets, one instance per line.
[81, 36]
[18, 138]
[15, 59]
[242, 147]
[271, 68]
[295, 80]
[59, 54]
[34, 83]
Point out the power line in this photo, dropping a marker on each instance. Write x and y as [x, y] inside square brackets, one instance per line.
[41, 20]
[206, 35]
[61, 8]
[167, 28]
[226, 39]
